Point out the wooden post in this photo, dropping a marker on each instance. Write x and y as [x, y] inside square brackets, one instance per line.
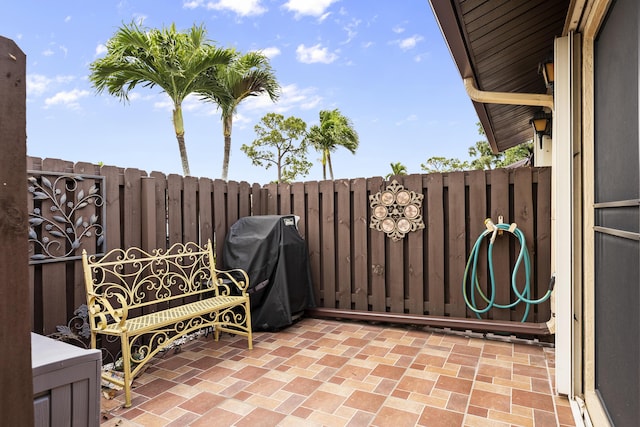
[16, 380]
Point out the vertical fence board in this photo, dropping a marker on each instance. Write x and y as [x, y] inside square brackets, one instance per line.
[377, 261]
[502, 275]
[148, 209]
[327, 220]
[35, 307]
[160, 184]
[543, 242]
[297, 191]
[477, 216]
[205, 215]
[112, 220]
[313, 238]
[524, 218]
[244, 203]
[88, 241]
[232, 202]
[395, 275]
[272, 199]
[189, 209]
[284, 190]
[414, 279]
[435, 243]
[219, 217]
[256, 200]
[457, 243]
[343, 246]
[174, 208]
[360, 247]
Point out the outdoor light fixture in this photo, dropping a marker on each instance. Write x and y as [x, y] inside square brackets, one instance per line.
[541, 123]
[546, 69]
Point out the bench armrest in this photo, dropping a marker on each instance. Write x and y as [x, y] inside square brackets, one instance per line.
[100, 308]
[232, 282]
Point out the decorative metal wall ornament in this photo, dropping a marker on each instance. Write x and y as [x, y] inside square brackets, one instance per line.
[57, 234]
[396, 211]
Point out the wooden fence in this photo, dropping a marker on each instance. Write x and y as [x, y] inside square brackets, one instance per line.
[354, 267]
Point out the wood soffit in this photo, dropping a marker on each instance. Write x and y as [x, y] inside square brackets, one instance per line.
[500, 44]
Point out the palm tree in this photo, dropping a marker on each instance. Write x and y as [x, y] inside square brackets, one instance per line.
[246, 75]
[397, 169]
[333, 131]
[177, 62]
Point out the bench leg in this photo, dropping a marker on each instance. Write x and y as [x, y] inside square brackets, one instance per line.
[126, 366]
[248, 324]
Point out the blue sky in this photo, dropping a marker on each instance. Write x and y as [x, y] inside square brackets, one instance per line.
[383, 63]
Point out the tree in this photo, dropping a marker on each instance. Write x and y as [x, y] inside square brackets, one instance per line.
[482, 157]
[276, 146]
[334, 130]
[396, 169]
[176, 62]
[246, 75]
[443, 164]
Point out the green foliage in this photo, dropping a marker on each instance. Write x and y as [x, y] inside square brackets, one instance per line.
[177, 62]
[334, 130]
[396, 169]
[482, 157]
[276, 145]
[246, 75]
[443, 164]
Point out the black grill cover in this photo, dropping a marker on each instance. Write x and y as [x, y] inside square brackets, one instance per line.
[275, 257]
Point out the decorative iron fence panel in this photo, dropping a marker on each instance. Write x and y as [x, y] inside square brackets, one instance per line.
[353, 266]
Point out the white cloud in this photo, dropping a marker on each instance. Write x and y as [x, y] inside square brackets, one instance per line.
[308, 7]
[270, 52]
[240, 7]
[193, 4]
[67, 19]
[64, 50]
[367, 44]
[101, 49]
[323, 17]
[291, 97]
[421, 57]
[38, 84]
[351, 28]
[316, 53]
[68, 99]
[409, 42]
[47, 52]
[398, 29]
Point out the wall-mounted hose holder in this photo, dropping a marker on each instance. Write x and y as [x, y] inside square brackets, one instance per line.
[473, 293]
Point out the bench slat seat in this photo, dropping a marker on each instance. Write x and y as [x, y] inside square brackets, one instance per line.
[153, 321]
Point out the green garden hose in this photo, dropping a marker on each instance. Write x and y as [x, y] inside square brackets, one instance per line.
[523, 296]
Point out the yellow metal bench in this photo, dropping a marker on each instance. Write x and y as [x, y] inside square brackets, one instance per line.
[151, 300]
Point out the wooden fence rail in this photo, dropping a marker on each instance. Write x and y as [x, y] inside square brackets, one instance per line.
[353, 266]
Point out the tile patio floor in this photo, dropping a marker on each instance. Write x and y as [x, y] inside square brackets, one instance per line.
[334, 373]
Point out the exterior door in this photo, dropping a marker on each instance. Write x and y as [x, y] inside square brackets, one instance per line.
[617, 215]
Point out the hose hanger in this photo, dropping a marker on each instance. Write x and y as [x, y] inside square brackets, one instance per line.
[470, 272]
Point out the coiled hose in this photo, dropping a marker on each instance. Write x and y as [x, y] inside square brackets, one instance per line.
[523, 296]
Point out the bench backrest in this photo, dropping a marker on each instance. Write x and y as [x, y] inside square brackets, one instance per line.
[143, 279]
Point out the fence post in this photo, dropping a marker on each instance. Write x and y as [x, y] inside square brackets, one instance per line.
[16, 383]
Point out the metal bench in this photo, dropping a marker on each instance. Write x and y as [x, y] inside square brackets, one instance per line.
[151, 300]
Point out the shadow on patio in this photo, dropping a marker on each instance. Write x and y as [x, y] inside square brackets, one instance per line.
[331, 373]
